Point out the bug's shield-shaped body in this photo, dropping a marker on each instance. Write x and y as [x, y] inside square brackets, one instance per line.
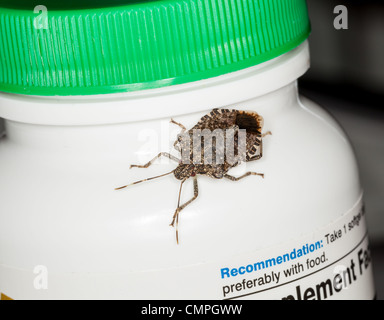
[218, 142]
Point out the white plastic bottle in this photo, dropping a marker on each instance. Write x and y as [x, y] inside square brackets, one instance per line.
[80, 113]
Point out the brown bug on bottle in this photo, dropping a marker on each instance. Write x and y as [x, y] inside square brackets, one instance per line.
[247, 122]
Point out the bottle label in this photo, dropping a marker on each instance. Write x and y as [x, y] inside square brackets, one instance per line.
[332, 263]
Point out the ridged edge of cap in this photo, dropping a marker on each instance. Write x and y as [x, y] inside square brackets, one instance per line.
[143, 46]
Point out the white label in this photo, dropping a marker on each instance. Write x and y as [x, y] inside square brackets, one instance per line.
[332, 263]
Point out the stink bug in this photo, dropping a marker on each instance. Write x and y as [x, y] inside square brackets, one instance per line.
[192, 148]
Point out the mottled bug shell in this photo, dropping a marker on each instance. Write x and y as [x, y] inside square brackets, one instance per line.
[221, 119]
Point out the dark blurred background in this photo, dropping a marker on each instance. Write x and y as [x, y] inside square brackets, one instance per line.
[347, 79]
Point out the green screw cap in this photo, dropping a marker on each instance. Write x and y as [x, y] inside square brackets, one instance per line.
[98, 47]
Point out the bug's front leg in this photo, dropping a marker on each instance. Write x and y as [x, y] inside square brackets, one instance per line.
[260, 155]
[161, 154]
[183, 130]
[175, 220]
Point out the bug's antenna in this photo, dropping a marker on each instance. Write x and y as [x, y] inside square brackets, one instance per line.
[163, 175]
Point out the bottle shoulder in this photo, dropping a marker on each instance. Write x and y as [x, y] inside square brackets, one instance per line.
[310, 180]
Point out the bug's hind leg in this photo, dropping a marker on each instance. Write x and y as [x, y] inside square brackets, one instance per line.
[243, 176]
[161, 154]
[175, 220]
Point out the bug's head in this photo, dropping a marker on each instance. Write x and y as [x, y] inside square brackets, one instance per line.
[184, 171]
